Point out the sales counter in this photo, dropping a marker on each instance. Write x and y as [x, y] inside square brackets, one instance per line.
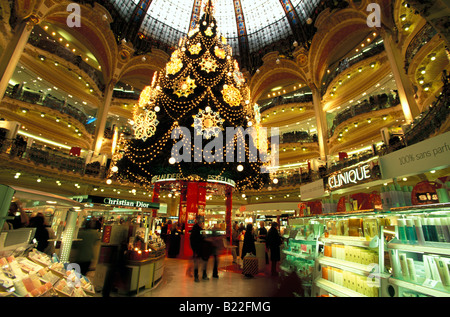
[142, 273]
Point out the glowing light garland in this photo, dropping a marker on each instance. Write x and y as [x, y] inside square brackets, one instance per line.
[174, 97]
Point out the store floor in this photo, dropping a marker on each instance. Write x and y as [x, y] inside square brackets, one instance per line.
[178, 281]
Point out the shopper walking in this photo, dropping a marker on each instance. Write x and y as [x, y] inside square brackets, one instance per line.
[175, 240]
[249, 242]
[197, 245]
[273, 242]
[84, 248]
[262, 236]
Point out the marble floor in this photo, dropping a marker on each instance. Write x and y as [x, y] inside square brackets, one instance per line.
[178, 281]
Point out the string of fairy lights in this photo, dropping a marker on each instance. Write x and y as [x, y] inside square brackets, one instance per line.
[201, 74]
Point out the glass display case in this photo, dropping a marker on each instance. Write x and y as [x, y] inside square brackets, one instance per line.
[351, 262]
[419, 253]
[403, 252]
[300, 249]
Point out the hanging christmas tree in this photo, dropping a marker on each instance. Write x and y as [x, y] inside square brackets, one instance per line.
[196, 118]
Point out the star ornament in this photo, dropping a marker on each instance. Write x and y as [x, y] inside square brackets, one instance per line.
[208, 123]
[208, 65]
[231, 95]
[195, 49]
[209, 32]
[145, 125]
[184, 87]
[174, 66]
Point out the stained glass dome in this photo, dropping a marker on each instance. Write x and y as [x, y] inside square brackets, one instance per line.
[248, 25]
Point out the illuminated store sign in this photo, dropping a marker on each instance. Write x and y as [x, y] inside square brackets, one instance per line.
[179, 176]
[116, 202]
[126, 203]
[352, 176]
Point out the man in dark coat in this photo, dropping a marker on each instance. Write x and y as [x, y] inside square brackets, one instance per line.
[273, 242]
[197, 244]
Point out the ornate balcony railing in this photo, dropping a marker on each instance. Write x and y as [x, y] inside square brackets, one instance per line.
[430, 121]
[335, 70]
[51, 102]
[53, 47]
[17, 150]
[298, 137]
[374, 103]
[283, 100]
[419, 40]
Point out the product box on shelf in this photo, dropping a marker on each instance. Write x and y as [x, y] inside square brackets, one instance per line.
[30, 276]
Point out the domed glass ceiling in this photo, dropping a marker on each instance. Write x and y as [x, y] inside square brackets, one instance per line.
[255, 22]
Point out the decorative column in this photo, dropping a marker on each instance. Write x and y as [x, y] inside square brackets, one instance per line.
[155, 197]
[102, 116]
[190, 214]
[14, 50]
[404, 86]
[321, 122]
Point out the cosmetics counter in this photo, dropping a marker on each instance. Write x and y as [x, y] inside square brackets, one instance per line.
[301, 249]
[26, 272]
[404, 252]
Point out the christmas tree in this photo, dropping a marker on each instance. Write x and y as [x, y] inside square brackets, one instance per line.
[196, 119]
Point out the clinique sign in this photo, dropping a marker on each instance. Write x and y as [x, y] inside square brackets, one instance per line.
[352, 176]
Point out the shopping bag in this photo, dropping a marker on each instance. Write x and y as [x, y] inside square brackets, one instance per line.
[250, 265]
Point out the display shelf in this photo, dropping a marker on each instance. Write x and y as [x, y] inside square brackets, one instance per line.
[347, 240]
[424, 208]
[437, 291]
[336, 289]
[441, 248]
[299, 255]
[353, 267]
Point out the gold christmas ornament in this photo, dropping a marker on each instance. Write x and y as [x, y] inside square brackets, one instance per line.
[209, 32]
[219, 52]
[208, 123]
[145, 125]
[195, 48]
[174, 66]
[184, 87]
[208, 64]
[231, 95]
[145, 96]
